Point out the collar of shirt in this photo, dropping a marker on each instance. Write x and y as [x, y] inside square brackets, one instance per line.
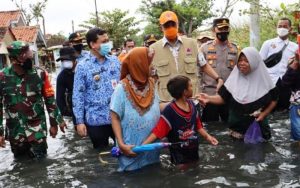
[165, 41]
[83, 53]
[95, 60]
[279, 40]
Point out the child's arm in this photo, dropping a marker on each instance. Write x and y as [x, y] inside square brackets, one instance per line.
[152, 137]
[204, 134]
[161, 130]
[208, 137]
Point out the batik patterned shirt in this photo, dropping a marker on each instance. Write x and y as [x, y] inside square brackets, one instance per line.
[94, 84]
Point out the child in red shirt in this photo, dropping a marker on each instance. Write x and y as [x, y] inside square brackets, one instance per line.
[180, 122]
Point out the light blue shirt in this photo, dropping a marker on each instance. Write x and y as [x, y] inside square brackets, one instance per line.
[94, 83]
[135, 128]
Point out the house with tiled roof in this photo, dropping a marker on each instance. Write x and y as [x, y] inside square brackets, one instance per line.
[15, 22]
[6, 37]
[11, 18]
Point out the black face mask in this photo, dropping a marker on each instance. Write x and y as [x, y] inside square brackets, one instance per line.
[78, 47]
[223, 36]
[27, 65]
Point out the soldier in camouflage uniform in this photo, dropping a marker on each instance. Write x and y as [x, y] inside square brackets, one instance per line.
[23, 92]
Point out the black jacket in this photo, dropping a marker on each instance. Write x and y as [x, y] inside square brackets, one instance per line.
[64, 89]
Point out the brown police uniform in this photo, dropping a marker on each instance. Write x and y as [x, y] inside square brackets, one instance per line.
[222, 57]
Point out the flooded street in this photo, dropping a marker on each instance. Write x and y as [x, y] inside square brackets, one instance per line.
[71, 162]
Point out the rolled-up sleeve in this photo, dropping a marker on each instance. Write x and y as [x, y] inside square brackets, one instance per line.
[78, 93]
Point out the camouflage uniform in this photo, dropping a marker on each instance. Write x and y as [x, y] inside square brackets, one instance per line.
[22, 93]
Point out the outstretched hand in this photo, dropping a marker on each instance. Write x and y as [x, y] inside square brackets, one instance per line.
[212, 140]
[202, 98]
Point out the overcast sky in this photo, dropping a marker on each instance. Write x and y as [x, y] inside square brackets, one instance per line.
[60, 13]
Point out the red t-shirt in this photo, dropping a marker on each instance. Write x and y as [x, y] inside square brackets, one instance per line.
[162, 128]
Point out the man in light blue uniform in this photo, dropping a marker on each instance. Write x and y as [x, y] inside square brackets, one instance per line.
[95, 79]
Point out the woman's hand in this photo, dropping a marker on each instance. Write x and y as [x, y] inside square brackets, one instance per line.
[126, 150]
[212, 140]
[203, 98]
[260, 117]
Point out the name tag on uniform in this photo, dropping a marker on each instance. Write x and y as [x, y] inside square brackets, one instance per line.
[114, 83]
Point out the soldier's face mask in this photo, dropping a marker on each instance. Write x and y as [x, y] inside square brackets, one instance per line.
[222, 36]
[27, 65]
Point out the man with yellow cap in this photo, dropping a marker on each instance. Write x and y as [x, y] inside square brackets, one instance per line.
[176, 55]
[204, 37]
[222, 56]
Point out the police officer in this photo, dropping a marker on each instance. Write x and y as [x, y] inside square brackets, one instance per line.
[204, 37]
[222, 56]
[76, 41]
[23, 93]
[150, 39]
[176, 55]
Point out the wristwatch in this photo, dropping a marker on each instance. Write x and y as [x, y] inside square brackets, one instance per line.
[217, 79]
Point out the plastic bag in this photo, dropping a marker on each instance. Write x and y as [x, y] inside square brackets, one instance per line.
[253, 134]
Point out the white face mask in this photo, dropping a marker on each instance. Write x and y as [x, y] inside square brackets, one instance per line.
[67, 64]
[282, 32]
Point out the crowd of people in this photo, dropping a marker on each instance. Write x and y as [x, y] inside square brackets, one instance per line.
[152, 92]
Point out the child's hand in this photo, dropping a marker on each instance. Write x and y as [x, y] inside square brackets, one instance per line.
[212, 140]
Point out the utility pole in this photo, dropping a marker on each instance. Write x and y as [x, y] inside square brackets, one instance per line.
[97, 18]
[44, 26]
[254, 24]
[72, 26]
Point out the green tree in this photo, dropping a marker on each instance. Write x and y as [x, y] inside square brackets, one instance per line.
[117, 24]
[56, 39]
[268, 22]
[34, 11]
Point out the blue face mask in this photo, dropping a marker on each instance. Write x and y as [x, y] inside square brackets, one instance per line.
[105, 48]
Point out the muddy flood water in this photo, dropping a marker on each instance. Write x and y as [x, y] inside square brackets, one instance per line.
[72, 162]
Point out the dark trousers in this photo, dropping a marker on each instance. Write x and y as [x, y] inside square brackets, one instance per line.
[99, 135]
[215, 112]
[283, 102]
[33, 149]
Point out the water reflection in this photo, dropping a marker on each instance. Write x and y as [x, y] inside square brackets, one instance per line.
[72, 162]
